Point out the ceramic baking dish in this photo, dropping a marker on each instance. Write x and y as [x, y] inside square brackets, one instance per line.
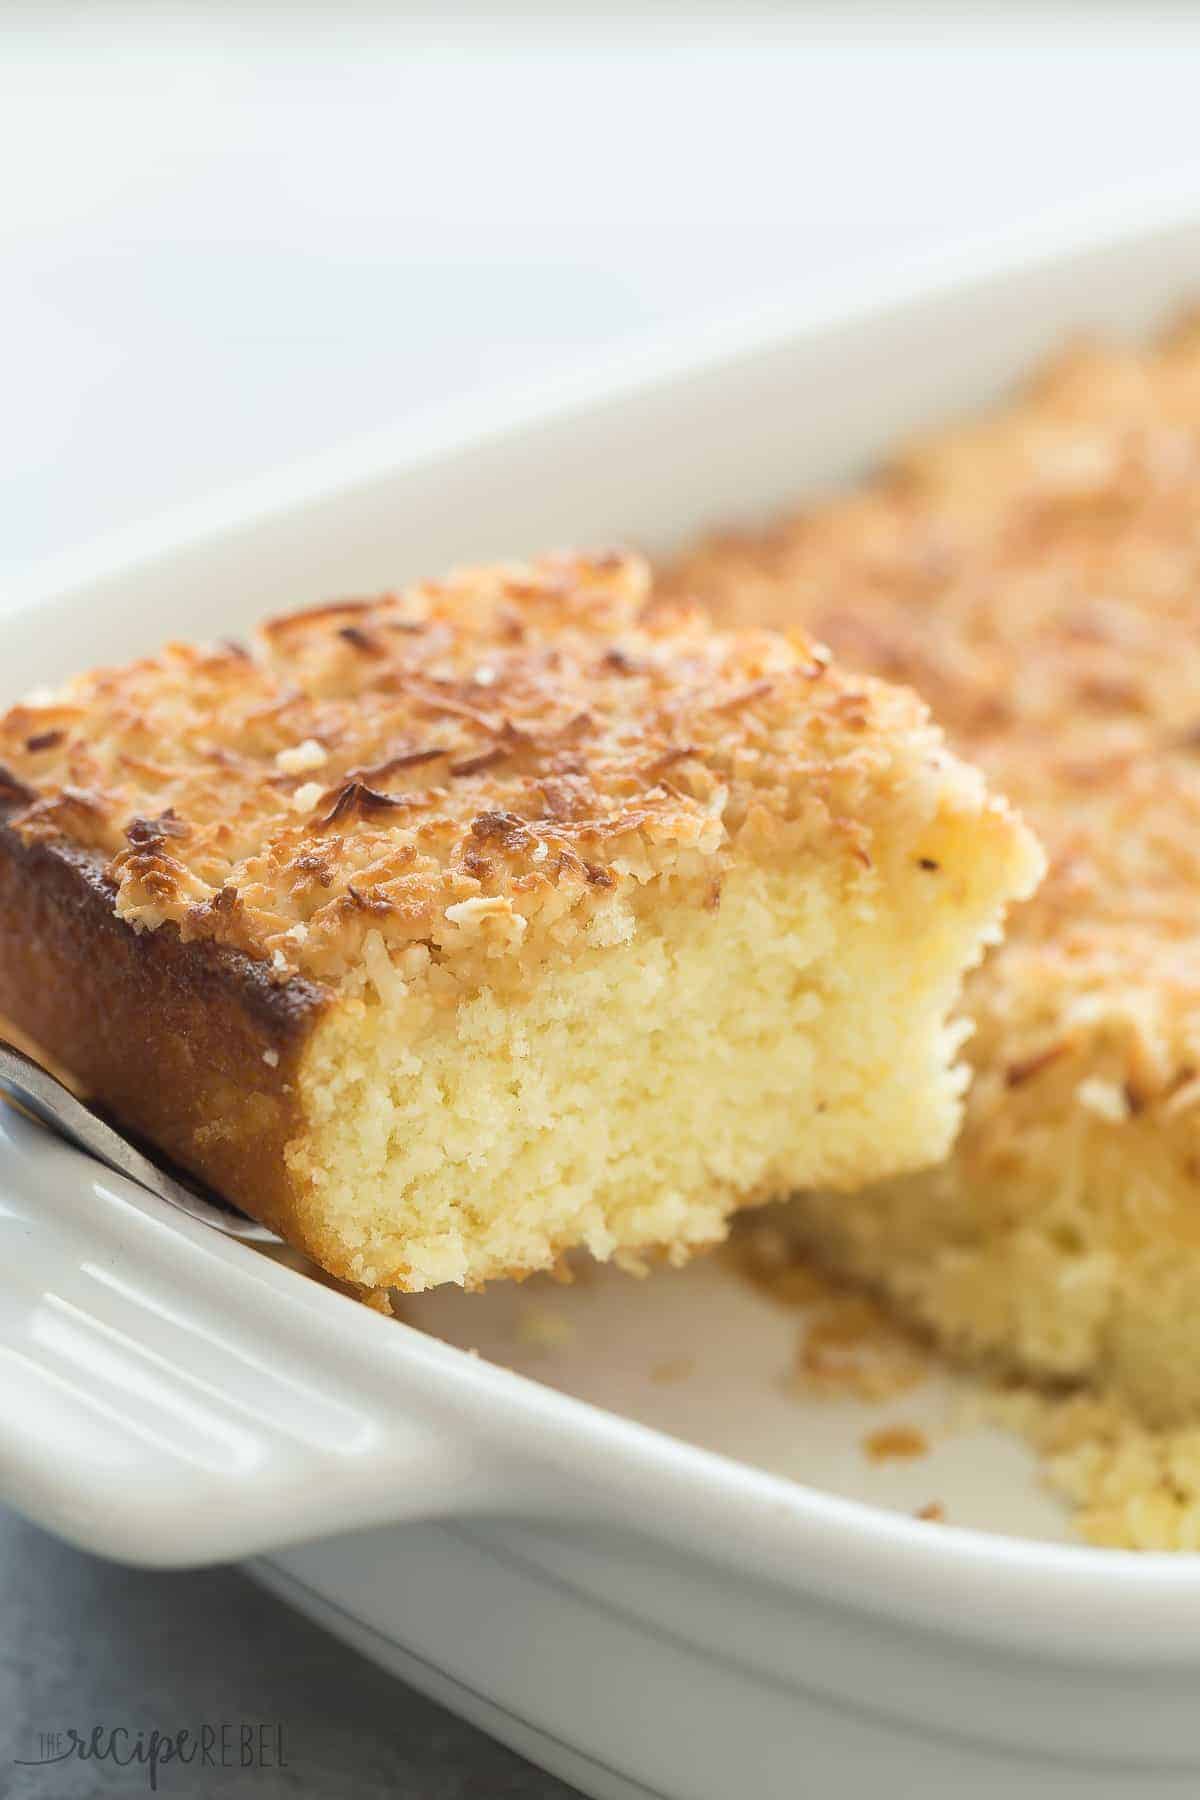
[611, 1536]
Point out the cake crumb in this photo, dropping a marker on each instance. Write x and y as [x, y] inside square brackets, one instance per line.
[895, 1443]
[850, 1347]
[933, 1510]
[848, 1344]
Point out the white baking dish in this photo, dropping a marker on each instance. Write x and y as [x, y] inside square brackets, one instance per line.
[698, 1588]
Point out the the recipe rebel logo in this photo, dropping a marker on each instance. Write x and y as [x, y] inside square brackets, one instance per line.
[227, 1744]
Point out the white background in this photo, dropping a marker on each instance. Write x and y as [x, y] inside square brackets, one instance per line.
[233, 236]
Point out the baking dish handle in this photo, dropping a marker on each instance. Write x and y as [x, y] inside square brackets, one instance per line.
[173, 1397]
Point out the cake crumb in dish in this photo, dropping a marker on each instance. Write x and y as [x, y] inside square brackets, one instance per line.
[851, 1347]
[1129, 1486]
[895, 1443]
[848, 1345]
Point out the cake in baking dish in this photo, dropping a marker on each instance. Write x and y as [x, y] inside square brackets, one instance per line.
[1036, 577]
[445, 932]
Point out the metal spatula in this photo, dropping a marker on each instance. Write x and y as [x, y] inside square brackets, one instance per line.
[41, 1094]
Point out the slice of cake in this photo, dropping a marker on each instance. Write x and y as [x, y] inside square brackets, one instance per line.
[450, 931]
[1037, 578]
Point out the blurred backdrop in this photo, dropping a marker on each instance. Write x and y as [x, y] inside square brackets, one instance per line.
[233, 235]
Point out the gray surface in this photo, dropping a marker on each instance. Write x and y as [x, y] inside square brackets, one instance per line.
[85, 1642]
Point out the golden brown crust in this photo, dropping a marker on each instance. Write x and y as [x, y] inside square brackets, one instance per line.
[498, 755]
[190, 1044]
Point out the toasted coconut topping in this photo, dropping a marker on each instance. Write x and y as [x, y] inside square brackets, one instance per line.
[531, 738]
[1035, 578]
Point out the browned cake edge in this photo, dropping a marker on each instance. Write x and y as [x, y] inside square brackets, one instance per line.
[193, 1045]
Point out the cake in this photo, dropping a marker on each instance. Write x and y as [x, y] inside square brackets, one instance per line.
[1036, 577]
[448, 931]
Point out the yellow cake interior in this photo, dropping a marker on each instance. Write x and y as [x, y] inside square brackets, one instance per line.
[633, 1096]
